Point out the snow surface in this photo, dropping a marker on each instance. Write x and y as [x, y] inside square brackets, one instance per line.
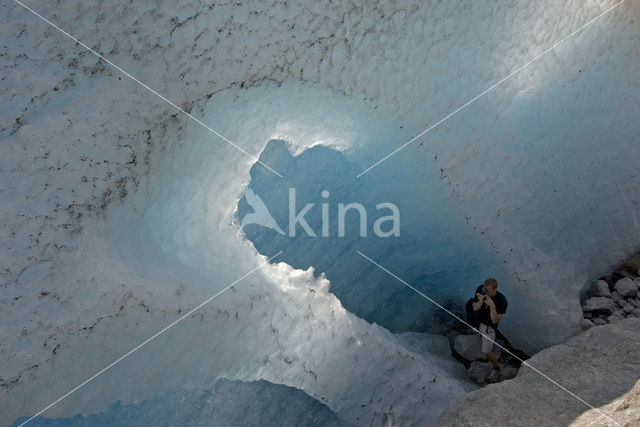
[119, 214]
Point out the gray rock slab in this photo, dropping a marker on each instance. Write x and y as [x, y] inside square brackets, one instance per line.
[599, 365]
[599, 304]
[624, 411]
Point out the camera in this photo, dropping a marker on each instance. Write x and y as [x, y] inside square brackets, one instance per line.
[483, 291]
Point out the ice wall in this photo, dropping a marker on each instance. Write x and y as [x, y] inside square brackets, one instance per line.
[177, 240]
[542, 170]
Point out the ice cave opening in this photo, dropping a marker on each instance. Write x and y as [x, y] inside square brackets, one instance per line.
[323, 213]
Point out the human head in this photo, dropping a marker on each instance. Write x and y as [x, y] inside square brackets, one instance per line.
[491, 285]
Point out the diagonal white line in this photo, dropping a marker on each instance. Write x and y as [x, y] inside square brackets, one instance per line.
[146, 87]
[489, 89]
[133, 350]
[467, 324]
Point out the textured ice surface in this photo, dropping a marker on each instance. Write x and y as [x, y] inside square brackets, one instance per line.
[179, 240]
[117, 217]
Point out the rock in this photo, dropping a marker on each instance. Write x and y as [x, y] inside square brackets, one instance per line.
[636, 312]
[616, 317]
[470, 347]
[600, 288]
[626, 288]
[586, 324]
[615, 296]
[634, 302]
[600, 305]
[478, 371]
[508, 372]
[599, 365]
[587, 314]
[610, 280]
[626, 307]
[599, 321]
[624, 411]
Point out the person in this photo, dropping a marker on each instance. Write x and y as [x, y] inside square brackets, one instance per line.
[490, 305]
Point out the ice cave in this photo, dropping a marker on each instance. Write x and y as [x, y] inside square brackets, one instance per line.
[272, 213]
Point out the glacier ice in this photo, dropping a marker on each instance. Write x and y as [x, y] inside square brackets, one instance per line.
[119, 215]
[180, 236]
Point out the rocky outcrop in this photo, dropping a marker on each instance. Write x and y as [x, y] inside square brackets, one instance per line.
[624, 411]
[614, 297]
[598, 366]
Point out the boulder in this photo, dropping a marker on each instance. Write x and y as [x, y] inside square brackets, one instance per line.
[599, 304]
[600, 288]
[478, 371]
[626, 288]
[470, 347]
[598, 365]
[586, 324]
[599, 321]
